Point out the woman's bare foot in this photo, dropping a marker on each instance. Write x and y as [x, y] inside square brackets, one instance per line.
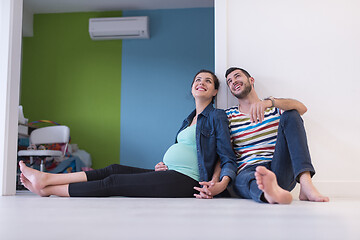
[30, 187]
[273, 193]
[35, 177]
[308, 191]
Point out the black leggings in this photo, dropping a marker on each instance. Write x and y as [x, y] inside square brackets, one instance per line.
[118, 180]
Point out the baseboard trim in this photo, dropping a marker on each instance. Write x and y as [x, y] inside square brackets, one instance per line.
[336, 189]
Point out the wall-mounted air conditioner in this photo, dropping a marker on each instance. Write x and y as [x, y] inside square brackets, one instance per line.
[119, 28]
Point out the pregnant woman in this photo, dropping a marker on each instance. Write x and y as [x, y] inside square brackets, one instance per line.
[202, 139]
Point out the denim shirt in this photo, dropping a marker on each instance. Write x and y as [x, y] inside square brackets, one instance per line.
[212, 142]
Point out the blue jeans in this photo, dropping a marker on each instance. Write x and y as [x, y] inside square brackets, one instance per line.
[291, 158]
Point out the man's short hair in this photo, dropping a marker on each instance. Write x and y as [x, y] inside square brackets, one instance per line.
[230, 70]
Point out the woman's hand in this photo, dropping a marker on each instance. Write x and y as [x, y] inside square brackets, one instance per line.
[204, 192]
[211, 189]
[161, 167]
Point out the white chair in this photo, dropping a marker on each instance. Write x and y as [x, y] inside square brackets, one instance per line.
[47, 135]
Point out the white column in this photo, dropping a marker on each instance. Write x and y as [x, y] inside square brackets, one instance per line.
[221, 50]
[224, 97]
[10, 58]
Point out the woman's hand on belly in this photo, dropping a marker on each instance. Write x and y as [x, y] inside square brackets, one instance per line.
[161, 167]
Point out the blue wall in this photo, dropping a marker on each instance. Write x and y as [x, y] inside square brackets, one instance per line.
[156, 80]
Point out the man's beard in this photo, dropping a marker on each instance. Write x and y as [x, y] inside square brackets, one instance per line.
[245, 92]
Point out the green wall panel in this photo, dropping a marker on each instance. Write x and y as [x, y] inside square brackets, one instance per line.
[73, 80]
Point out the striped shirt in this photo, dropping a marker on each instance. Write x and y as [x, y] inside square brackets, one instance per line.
[253, 143]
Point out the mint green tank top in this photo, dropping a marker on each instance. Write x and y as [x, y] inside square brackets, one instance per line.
[182, 156]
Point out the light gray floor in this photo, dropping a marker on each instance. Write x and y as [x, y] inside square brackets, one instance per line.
[27, 216]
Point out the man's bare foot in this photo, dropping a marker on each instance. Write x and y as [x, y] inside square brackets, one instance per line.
[35, 177]
[273, 193]
[30, 187]
[308, 191]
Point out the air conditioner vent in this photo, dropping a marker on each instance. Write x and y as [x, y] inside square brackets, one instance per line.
[119, 28]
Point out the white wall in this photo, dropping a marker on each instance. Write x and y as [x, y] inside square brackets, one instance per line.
[310, 51]
[10, 49]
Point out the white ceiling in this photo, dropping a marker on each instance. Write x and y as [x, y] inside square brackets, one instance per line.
[58, 6]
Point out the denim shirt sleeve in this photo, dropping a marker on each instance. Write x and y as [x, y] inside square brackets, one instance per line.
[224, 146]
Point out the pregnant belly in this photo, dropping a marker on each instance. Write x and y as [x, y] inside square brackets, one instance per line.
[182, 158]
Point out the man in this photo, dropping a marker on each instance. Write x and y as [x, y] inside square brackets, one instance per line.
[270, 144]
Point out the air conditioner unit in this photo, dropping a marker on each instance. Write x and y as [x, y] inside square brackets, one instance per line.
[119, 28]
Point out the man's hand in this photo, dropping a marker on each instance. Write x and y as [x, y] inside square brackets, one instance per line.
[161, 167]
[257, 110]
